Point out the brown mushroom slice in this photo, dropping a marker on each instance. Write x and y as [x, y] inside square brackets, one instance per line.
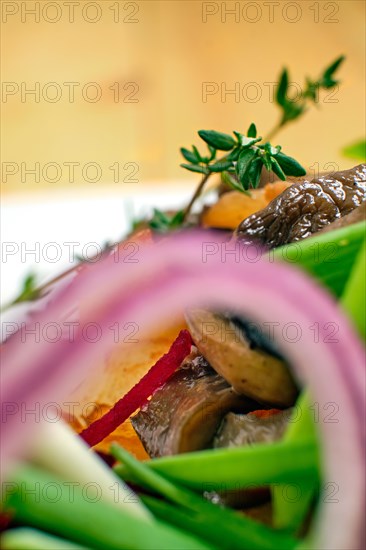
[305, 208]
[247, 429]
[185, 413]
[261, 426]
[251, 372]
[357, 215]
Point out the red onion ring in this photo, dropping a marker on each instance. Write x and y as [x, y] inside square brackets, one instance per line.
[173, 275]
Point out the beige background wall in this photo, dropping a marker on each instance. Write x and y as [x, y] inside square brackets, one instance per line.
[168, 53]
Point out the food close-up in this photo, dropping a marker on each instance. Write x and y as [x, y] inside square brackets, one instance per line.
[199, 383]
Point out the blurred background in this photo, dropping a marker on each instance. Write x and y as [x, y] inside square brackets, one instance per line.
[97, 98]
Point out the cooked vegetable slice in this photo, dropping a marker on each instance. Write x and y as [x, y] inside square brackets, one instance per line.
[184, 414]
[251, 428]
[305, 208]
[252, 372]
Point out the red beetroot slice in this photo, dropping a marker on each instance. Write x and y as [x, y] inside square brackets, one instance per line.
[137, 396]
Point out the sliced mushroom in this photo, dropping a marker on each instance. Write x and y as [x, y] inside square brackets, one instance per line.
[246, 429]
[357, 215]
[185, 413]
[251, 372]
[305, 208]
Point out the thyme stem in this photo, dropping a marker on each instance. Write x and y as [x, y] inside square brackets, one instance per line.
[196, 194]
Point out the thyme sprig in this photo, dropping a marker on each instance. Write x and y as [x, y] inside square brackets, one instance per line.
[243, 163]
[294, 105]
[245, 157]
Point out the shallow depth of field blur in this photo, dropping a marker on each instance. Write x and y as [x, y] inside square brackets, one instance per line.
[98, 97]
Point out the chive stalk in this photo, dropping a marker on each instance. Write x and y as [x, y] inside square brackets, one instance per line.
[25, 538]
[227, 528]
[59, 450]
[50, 503]
[238, 467]
[290, 511]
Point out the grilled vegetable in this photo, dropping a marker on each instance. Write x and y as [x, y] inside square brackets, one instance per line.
[305, 208]
[251, 372]
[185, 413]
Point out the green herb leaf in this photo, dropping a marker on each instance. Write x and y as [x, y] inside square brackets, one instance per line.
[254, 172]
[196, 168]
[232, 182]
[218, 140]
[30, 291]
[290, 166]
[276, 168]
[271, 150]
[197, 153]
[356, 151]
[163, 223]
[244, 160]
[282, 87]
[213, 152]
[234, 154]
[221, 165]
[266, 159]
[188, 155]
[327, 80]
[292, 110]
[248, 142]
[252, 130]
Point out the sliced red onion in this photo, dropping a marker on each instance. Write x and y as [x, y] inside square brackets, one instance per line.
[191, 270]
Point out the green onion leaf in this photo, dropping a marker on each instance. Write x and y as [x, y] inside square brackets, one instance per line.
[43, 500]
[231, 530]
[291, 512]
[234, 468]
[329, 257]
[24, 538]
[354, 295]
